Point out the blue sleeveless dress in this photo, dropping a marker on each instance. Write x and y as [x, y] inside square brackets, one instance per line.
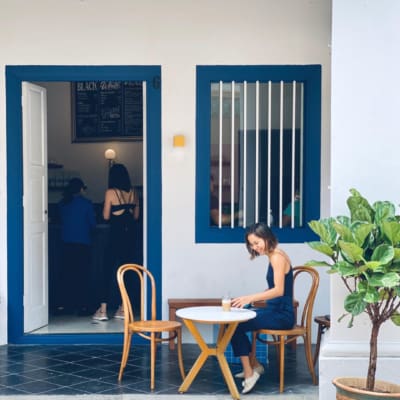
[279, 314]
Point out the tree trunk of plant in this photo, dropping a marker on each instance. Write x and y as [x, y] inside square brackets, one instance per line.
[373, 355]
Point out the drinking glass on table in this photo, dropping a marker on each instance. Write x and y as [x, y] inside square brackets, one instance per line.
[226, 303]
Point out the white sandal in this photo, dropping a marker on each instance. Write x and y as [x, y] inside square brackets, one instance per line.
[249, 383]
[259, 368]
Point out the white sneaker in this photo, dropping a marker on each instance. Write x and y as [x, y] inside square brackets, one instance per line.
[100, 316]
[248, 383]
[259, 369]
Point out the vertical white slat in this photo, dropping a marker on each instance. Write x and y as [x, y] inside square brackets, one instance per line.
[233, 155]
[220, 156]
[245, 153]
[257, 150]
[144, 194]
[292, 195]
[301, 152]
[280, 152]
[269, 151]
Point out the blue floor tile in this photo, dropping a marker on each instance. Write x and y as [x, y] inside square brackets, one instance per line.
[85, 369]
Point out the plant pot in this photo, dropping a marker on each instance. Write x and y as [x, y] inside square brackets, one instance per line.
[352, 389]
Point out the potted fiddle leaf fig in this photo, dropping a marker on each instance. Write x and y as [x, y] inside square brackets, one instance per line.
[364, 250]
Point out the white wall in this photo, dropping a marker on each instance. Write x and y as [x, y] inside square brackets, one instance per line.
[178, 35]
[365, 104]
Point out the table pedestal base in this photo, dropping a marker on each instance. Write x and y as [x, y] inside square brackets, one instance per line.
[224, 336]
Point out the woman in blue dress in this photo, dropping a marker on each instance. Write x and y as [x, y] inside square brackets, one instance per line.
[279, 313]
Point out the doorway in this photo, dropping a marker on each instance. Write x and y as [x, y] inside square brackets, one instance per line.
[15, 75]
[110, 108]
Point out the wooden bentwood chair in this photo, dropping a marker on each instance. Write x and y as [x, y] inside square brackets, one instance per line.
[302, 328]
[148, 328]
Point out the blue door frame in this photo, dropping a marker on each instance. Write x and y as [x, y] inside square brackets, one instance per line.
[15, 75]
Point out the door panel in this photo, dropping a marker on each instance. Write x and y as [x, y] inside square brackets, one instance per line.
[34, 117]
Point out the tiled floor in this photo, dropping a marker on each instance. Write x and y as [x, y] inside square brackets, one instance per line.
[92, 369]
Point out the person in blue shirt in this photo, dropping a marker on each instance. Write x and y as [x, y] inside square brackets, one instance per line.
[78, 219]
[292, 211]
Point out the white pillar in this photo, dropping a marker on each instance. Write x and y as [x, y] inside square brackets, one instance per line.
[365, 109]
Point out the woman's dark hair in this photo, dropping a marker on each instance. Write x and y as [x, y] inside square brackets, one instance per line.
[261, 230]
[73, 188]
[118, 178]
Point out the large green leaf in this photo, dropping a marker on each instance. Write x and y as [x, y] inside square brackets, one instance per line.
[383, 253]
[360, 231]
[388, 280]
[351, 252]
[324, 229]
[354, 303]
[346, 269]
[359, 207]
[383, 211]
[344, 232]
[322, 248]
[391, 229]
[391, 279]
[315, 263]
[344, 220]
[371, 296]
[372, 265]
[396, 256]
[396, 318]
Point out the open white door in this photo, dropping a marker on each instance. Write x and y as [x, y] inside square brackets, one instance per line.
[34, 117]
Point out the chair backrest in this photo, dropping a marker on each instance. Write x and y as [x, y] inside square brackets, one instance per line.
[146, 281]
[313, 282]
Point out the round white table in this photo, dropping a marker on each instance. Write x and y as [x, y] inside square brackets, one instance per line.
[227, 321]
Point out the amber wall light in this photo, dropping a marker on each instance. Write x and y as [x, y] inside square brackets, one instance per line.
[179, 141]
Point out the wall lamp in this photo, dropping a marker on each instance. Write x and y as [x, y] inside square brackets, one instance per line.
[179, 141]
[110, 155]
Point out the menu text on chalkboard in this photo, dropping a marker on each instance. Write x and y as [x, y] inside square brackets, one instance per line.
[107, 111]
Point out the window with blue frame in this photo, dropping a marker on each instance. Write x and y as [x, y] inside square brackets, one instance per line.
[258, 135]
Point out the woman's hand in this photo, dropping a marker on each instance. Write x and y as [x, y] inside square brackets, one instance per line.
[240, 302]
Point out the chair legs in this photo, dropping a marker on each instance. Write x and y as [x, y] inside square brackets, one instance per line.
[125, 353]
[309, 357]
[153, 350]
[153, 345]
[281, 363]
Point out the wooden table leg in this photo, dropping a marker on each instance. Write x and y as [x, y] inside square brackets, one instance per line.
[205, 353]
[222, 343]
[224, 336]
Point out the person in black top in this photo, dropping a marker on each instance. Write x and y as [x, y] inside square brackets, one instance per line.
[121, 209]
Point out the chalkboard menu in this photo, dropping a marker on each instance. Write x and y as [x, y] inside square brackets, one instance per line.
[107, 110]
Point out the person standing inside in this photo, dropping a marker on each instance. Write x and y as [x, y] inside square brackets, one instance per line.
[121, 209]
[292, 211]
[279, 314]
[77, 222]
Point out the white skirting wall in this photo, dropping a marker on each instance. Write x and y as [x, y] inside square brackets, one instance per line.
[351, 359]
